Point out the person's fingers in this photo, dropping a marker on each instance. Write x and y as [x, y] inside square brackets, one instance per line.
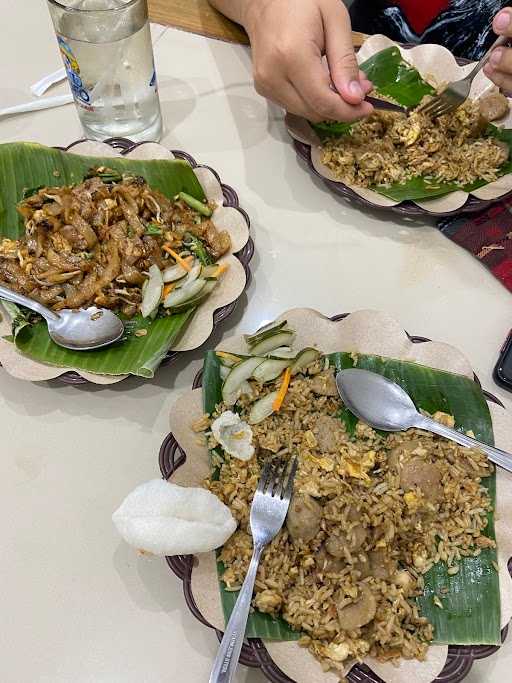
[284, 94]
[340, 52]
[502, 79]
[502, 23]
[501, 60]
[314, 86]
[366, 84]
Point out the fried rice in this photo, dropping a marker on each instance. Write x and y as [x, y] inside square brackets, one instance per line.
[391, 147]
[370, 515]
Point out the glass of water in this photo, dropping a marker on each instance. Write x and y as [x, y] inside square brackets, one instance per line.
[106, 49]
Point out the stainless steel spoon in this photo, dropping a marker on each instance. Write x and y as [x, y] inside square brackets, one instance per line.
[79, 330]
[385, 405]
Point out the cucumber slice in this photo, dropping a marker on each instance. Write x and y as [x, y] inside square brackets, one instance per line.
[270, 369]
[153, 292]
[304, 358]
[262, 408]
[238, 374]
[196, 300]
[192, 275]
[263, 333]
[174, 273]
[284, 338]
[224, 371]
[282, 352]
[180, 296]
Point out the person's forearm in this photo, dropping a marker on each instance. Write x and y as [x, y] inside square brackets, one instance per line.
[233, 9]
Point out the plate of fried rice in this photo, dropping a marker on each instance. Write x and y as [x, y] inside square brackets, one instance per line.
[390, 552]
[407, 161]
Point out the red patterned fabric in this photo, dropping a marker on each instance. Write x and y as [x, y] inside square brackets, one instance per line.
[487, 235]
[421, 14]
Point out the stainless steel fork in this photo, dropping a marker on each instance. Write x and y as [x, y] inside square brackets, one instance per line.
[457, 93]
[268, 512]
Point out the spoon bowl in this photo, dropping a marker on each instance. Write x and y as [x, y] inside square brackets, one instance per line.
[85, 329]
[376, 400]
[384, 405]
[78, 330]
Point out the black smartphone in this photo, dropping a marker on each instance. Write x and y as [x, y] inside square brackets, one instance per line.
[503, 368]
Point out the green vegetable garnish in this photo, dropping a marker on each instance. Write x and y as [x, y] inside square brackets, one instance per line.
[195, 204]
[153, 229]
[197, 247]
[108, 175]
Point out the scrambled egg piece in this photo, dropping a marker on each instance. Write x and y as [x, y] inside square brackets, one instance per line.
[411, 499]
[310, 439]
[359, 469]
[408, 130]
[325, 463]
[234, 435]
[338, 652]
[444, 419]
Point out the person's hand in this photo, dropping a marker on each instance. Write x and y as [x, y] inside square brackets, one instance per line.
[288, 39]
[499, 66]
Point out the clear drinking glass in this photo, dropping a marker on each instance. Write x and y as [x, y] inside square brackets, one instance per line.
[106, 49]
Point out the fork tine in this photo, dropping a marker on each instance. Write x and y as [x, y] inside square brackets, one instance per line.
[442, 110]
[437, 106]
[429, 106]
[448, 108]
[443, 106]
[265, 476]
[435, 112]
[288, 487]
[279, 473]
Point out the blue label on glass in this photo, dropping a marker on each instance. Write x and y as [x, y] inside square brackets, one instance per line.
[80, 93]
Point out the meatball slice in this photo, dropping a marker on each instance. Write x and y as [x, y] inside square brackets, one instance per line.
[493, 106]
[422, 474]
[329, 433]
[303, 519]
[338, 545]
[360, 612]
[324, 384]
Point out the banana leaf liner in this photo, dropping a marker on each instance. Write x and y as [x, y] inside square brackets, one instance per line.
[34, 356]
[435, 374]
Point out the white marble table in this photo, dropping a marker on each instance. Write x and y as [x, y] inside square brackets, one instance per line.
[76, 604]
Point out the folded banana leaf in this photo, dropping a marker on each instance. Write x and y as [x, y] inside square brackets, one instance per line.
[26, 166]
[470, 599]
[398, 80]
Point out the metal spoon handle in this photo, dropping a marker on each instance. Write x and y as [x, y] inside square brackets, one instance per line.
[495, 455]
[16, 298]
[228, 655]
